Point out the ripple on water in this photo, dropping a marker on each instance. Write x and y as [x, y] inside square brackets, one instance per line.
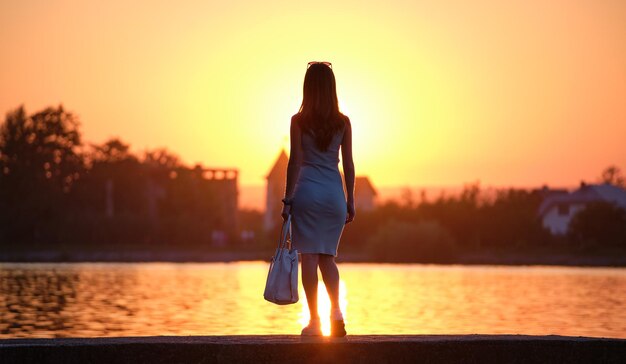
[139, 299]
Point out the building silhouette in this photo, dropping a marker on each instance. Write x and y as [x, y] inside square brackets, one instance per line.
[214, 192]
[222, 184]
[276, 184]
[364, 194]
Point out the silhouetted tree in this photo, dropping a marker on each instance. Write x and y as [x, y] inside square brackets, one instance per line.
[40, 162]
[613, 175]
[407, 197]
[162, 158]
[511, 221]
[112, 151]
[599, 224]
[460, 215]
[114, 168]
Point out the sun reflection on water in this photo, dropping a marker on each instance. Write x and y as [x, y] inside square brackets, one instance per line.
[323, 306]
[146, 299]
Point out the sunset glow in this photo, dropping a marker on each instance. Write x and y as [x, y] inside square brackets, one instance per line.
[439, 93]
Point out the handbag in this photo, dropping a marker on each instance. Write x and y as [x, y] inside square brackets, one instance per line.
[281, 286]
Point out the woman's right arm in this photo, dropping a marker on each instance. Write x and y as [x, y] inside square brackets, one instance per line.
[348, 169]
[293, 166]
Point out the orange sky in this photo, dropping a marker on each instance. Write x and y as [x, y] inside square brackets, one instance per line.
[439, 92]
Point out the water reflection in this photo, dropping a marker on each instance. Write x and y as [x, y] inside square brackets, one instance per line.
[87, 299]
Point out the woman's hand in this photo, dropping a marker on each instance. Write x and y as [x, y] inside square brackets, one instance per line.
[286, 211]
[351, 212]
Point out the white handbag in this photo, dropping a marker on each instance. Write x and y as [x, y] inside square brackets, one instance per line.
[281, 286]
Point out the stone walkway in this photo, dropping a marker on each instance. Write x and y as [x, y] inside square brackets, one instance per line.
[294, 349]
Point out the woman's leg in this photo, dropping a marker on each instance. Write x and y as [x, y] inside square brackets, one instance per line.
[330, 275]
[309, 281]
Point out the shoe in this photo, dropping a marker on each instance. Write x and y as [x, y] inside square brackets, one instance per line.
[337, 328]
[314, 328]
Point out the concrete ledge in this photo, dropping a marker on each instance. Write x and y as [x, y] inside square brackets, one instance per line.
[292, 349]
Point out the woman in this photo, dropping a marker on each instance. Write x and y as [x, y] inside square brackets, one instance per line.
[314, 193]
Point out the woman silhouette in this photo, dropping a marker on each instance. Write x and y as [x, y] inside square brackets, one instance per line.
[314, 193]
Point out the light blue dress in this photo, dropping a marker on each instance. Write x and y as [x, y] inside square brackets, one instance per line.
[319, 209]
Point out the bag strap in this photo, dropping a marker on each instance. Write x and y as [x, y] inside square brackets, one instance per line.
[285, 229]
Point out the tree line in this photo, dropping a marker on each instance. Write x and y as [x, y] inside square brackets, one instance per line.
[56, 190]
[474, 222]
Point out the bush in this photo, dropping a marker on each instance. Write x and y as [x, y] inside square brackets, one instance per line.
[425, 241]
[600, 224]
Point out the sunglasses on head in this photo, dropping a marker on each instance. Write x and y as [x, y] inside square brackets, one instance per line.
[328, 64]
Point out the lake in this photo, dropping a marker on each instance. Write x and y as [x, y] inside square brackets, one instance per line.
[145, 299]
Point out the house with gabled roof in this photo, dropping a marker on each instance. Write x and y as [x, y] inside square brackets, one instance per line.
[364, 194]
[557, 210]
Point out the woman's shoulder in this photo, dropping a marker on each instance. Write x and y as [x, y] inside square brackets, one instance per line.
[346, 121]
[295, 117]
[295, 120]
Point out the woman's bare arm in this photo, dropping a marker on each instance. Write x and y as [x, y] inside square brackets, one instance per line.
[348, 163]
[295, 157]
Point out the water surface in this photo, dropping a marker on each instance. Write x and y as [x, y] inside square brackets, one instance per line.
[141, 299]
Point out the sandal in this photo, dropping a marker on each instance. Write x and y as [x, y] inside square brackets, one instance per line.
[337, 328]
[314, 328]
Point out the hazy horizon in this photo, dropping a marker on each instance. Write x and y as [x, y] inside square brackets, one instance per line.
[253, 196]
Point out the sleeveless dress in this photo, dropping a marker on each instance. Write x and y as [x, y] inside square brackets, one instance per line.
[318, 212]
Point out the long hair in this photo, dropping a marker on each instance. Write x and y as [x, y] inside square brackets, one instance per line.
[319, 113]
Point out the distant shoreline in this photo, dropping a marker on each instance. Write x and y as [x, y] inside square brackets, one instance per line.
[192, 256]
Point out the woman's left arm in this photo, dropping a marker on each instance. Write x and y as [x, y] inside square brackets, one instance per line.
[348, 170]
